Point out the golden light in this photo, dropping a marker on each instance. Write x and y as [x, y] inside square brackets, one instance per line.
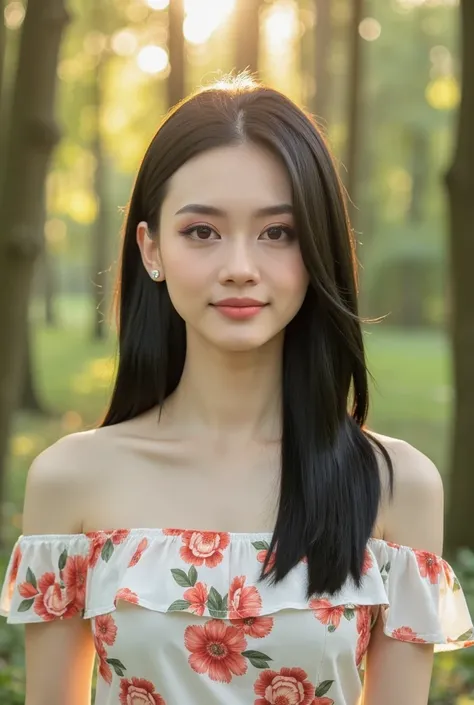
[370, 29]
[203, 17]
[14, 15]
[124, 42]
[94, 43]
[443, 93]
[152, 59]
[158, 4]
[281, 26]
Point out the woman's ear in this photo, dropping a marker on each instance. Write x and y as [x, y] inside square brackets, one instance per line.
[149, 251]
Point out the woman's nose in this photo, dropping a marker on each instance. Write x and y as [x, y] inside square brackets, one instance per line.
[240, 263]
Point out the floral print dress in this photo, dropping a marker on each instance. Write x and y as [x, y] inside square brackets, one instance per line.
[179, 616]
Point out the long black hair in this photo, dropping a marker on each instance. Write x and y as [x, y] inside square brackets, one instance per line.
[330, 487]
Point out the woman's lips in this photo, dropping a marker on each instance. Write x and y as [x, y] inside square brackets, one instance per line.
[239, 312]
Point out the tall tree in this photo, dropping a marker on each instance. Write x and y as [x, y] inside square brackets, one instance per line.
[247, 34]
[460, 186]
[100, 249]
[322, 37]
[176, 79]
[33, 134]
[354, 76]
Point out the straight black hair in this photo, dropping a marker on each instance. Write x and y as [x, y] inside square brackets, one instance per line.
[330, 488]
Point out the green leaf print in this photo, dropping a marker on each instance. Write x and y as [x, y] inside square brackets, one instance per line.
[117, 665]
[179, 606]
[215, 603]
[349, 613]
[62, 560]
[25, 605]
[456, 585]
[387, 567]
[107, 551]
[323, 688]
[261, 545]
[192, 576]
[30, 578]
[181, 577]
[467, 636]
[224, 603]
[331, 628]
[257, 658]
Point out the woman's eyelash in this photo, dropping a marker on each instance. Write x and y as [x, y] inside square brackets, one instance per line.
[289, 231]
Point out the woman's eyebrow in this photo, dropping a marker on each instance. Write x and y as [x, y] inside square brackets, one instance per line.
[278, 209]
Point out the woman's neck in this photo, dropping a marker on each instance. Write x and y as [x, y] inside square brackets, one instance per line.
[232, 394]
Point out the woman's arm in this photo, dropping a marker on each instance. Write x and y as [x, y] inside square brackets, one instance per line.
[59, 653]
[397, 671]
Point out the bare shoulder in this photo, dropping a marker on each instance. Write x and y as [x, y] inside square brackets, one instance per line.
[59, 480]
[414, 516]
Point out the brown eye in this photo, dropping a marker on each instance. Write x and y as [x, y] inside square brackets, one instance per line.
[198, 232]
[275, 233]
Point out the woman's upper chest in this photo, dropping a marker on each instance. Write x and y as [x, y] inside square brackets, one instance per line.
[174, 483]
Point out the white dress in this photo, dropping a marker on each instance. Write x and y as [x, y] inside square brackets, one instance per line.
[179, 617]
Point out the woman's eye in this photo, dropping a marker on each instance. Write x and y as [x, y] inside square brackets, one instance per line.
[199, 232]
[276, 231]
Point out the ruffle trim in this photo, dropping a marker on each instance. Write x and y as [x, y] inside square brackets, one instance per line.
[216, 575]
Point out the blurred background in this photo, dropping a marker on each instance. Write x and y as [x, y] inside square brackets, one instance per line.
[84, 85]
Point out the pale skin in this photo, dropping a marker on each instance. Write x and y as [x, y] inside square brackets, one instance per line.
[221, 427]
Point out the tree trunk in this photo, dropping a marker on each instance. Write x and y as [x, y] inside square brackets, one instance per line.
[100, 230]
[247, 34]
[49, 289]
[323, 51]
[32, 138]
[29, 398]
[3, 38]
[460, 185]
[176, 87]
[353, 113]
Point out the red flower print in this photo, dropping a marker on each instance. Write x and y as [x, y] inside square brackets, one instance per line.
[448, 574]
[326, 613]
[243, 601]
[138, 691]
[104, 669]
[392, 545]
[256, 627]
[261, 557]
[138, 553]
[407, 634]
[100, 538]
[216, 649]
[289, 686]
[173, 532]
[197, 597]
[52, 601]
[105, 629]
[429, 565]
[364, 618]
[74, 576]
[14, 571]
[126, 595]
[203, 547]
[322, 701]
[368, 563]
[27, 590]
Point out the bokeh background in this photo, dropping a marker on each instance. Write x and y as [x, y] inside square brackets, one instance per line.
[84, 86]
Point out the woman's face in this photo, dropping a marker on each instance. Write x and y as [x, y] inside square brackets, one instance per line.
[226, 230]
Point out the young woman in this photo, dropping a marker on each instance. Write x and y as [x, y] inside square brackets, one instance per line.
[232, 533]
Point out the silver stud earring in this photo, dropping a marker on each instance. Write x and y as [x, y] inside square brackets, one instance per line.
[155, 274]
